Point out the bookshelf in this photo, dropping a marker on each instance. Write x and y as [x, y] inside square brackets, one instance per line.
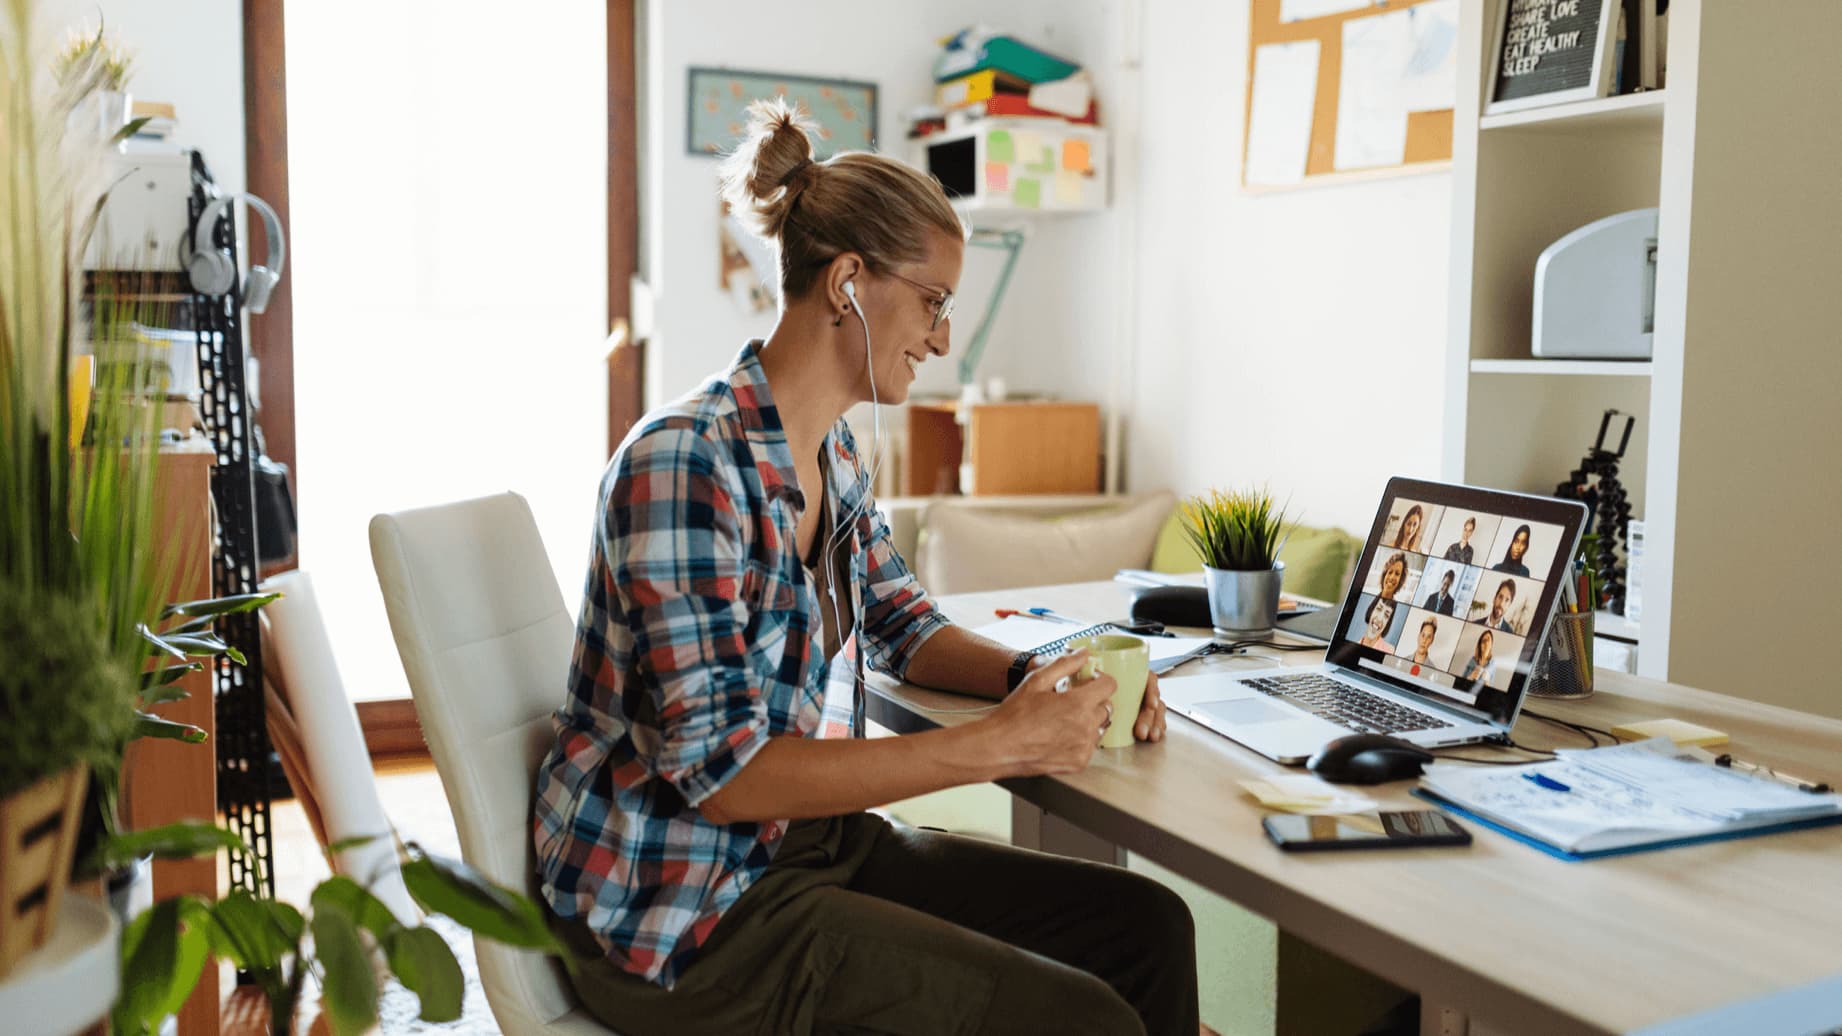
[1610, 114]
[1735, 410]
[1548, 368]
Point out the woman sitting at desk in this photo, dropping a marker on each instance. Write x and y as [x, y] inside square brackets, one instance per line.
[701, 822]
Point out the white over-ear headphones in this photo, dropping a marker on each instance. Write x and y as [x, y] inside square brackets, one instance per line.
[214, 273]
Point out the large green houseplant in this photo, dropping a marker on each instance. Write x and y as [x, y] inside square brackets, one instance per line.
[343, 941]
[77, 558]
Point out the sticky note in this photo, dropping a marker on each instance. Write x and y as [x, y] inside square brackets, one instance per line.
[1679, 731]
[1075, 156]
[999, 147]
[1036, 156]
[1029, 194]
[997, 176]
[1069, 188]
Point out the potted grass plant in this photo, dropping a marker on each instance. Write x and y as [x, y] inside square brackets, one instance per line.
[76, 522]
[97, 59]
[1238, 535]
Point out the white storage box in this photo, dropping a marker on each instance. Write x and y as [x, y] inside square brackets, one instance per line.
[1021, 165]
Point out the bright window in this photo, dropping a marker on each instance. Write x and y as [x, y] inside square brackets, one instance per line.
[448, 175]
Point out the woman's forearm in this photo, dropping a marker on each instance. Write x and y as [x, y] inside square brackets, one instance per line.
[797, 778]
[956, 659]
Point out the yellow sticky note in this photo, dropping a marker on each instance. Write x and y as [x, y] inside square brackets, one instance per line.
[1069, 188]
[1075, 156]
[1679, 731]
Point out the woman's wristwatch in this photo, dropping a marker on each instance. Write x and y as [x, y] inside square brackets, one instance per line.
[1020, 668]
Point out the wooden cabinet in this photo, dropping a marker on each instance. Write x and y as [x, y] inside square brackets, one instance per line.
[1030, 446]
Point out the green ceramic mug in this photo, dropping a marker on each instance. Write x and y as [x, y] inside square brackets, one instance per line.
[1127, 660]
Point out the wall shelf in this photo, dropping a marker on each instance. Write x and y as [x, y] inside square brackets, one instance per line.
[1597, 368]
[1625, 112]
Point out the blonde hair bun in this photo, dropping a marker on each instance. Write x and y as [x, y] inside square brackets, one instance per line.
[855, 201]
[772, 165]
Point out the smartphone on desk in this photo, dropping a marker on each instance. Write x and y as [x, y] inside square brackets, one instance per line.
[1396, 830]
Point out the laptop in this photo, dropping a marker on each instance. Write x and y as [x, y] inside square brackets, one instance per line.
[1434, 640]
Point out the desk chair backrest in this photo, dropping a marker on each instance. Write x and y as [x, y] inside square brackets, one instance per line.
[486, 643]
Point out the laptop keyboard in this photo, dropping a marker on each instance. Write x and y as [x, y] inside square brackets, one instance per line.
[1344, 705]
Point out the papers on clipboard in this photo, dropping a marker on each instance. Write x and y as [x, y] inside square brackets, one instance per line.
[1040, 636]
[1647, 794]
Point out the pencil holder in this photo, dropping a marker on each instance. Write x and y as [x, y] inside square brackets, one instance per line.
[1564, 669]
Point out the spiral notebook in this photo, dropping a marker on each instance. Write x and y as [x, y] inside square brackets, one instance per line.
[1623, 798]
[1043, 637]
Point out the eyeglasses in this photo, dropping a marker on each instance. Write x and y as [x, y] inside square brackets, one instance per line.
[941, 300]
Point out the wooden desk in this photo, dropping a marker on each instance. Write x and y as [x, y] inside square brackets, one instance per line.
[1501, 934]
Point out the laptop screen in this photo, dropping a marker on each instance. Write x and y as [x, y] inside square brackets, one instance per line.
[1452, 596]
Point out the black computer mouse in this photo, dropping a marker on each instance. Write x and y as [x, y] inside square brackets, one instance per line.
[1368, 759]
[1172, 605]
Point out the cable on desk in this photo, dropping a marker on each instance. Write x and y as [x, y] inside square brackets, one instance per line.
[1542, 755]
[1610, 738]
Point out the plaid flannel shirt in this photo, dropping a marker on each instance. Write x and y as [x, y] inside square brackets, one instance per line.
[699, 639]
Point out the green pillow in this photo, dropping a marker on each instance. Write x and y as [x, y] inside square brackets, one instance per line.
[1316, 562]
[1174, 552]
[1316, 559]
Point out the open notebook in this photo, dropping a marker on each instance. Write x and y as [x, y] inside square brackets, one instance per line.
[1044, 637]
[1623, 798]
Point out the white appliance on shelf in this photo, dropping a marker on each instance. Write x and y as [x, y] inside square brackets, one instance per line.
[146, 217]
[1595, 291]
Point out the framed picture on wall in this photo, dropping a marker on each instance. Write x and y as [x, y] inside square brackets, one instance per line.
[1551, 52]
[719, 98]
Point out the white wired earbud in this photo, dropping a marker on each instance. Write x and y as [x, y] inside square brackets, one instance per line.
[843, 525]
[876, 411]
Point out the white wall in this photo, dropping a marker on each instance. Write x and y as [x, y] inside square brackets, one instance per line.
[186, 52]
[1295, 338]
[1055, 330]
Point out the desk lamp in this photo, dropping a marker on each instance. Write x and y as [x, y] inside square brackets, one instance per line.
[1011, 242]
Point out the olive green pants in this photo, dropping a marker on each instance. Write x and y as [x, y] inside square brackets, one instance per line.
[860, 926]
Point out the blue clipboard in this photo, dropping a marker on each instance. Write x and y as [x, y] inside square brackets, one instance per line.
[1669, 843]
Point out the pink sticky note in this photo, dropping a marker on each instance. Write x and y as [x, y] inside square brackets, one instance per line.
[997, 176]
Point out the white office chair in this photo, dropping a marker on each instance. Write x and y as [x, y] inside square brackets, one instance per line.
[486, 643]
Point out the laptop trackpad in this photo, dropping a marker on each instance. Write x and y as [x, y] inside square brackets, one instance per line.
[1246, 711]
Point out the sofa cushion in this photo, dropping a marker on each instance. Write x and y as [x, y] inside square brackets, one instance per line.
[1317, 560]
[965, 549]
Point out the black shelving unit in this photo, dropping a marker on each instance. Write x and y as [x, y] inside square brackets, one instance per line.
[244, 790]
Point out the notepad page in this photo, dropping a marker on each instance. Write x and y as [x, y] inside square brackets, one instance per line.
[1622, 795]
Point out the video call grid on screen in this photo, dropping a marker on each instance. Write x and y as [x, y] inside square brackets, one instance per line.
[1452, 596]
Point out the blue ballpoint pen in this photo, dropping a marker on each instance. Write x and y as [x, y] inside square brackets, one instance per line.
[1045, 613]
[1546, 781]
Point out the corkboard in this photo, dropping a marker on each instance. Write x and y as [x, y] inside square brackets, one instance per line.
[1429, 134]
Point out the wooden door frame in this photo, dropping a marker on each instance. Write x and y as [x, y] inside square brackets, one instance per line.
[271, 336]
[625, 358]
